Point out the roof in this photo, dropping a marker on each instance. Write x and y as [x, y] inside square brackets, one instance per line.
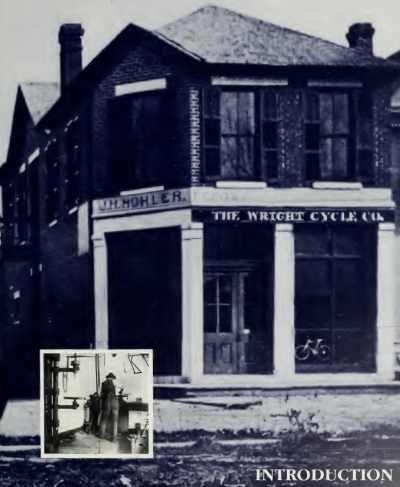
[40, 97]
[218, 35]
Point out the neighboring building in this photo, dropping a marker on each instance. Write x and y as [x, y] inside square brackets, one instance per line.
[395, 127]
[219, 191]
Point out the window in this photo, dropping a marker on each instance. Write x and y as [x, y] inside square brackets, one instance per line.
[73, 152]
[338, 134]
[140, 137]
[52, 183]
[364, 136]
[240, 132]
[335, 298]
[22, 206]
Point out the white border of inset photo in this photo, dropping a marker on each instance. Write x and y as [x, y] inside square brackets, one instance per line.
[93, 352]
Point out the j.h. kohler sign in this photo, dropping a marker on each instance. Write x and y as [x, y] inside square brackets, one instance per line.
[135, 203]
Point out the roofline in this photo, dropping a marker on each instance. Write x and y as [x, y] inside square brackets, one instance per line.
[128, 34]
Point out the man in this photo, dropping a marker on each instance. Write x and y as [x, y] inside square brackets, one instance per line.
[109, 404]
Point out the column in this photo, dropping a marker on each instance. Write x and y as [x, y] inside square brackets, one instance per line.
[192, 301]
[386, 321]
[100, 291]
[284, 333]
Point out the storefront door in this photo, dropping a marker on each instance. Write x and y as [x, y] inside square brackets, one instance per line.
[236, 332]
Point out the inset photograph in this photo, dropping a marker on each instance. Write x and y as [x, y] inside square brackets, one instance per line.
[97, 403]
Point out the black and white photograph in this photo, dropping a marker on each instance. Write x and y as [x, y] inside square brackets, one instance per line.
[96, 404]
[200, 243]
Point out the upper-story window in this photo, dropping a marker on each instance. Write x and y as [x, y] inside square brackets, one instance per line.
[52, 181]
[73, 153]
[337, 132]
[22, 205]
[140, 134]
[241, 134]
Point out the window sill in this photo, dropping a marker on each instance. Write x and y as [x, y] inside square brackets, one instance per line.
[337, 185]
[241, 184]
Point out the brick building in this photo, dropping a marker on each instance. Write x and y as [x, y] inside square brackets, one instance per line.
[219, 191]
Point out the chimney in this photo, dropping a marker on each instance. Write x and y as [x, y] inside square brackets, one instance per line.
[70, 39]
[360, 37]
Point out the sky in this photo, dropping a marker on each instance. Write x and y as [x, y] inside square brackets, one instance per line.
[29, 49]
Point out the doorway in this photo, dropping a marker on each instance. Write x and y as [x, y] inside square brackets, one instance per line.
[238, 300]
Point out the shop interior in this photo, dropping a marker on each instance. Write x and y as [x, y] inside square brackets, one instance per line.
[74, 403]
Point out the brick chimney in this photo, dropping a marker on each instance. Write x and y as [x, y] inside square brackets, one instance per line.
[70, 39]
[360, 37]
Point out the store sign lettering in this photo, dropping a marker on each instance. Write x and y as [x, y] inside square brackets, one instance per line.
[141, 202]
[294, 216]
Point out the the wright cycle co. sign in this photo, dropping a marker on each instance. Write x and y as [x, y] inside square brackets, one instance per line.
[294, 216]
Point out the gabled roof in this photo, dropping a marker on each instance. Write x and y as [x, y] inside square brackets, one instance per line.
[222, 36]
[39, 97]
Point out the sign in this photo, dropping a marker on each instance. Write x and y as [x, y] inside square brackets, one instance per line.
[134, 203]
[326, 216]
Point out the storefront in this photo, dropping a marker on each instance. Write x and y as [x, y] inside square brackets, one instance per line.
[232, 287]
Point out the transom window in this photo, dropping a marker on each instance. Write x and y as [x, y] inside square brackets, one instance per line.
[241, 134]
[338, 136]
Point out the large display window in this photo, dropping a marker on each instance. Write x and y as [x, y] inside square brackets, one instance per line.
[335, 298]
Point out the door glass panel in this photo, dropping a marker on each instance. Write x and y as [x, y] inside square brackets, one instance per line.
[225, 290]
[210, 305]
[225, 318]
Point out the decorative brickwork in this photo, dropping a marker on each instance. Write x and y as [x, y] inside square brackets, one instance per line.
[195, 136]
[293, 146]
[382, 138]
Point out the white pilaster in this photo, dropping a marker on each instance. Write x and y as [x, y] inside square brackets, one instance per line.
[386, 301]
[100, 291]
[284, 334]
[192, 301]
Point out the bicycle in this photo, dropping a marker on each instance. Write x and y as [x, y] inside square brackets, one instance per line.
[322, 352]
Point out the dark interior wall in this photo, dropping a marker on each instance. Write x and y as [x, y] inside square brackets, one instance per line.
[144, 275]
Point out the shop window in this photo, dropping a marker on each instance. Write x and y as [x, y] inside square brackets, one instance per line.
[236, 146]
[338, 135]
[52, 181]
[335, 298]
[73, 152]
[141, 134]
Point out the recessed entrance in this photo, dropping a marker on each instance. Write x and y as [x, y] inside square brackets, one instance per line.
[238, 299]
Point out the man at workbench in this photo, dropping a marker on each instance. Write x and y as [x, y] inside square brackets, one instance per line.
[109, 404]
